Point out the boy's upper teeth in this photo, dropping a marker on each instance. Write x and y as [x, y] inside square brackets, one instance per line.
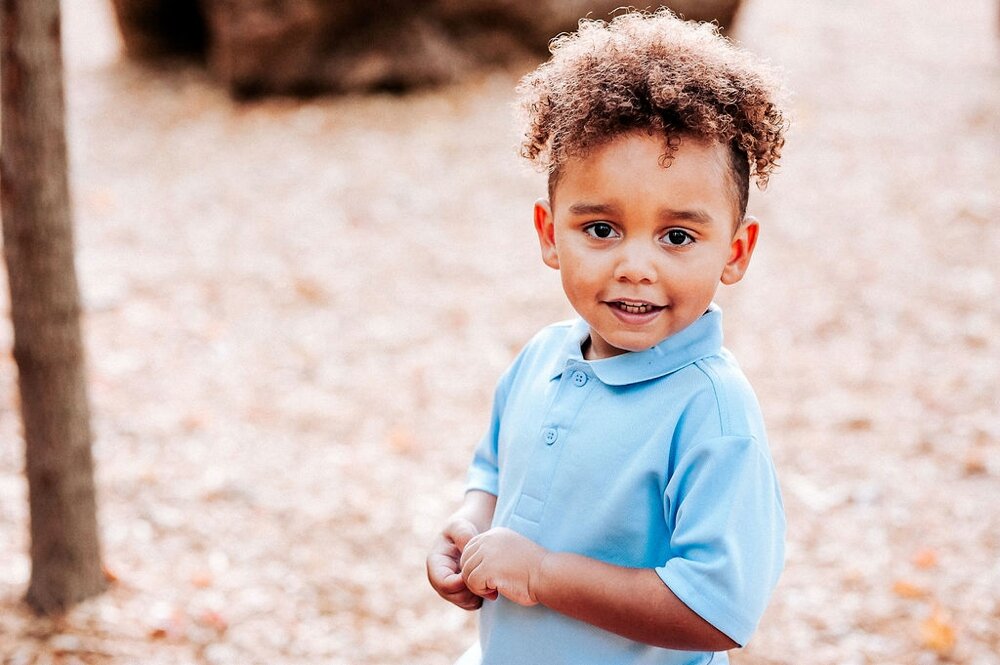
[635, 307]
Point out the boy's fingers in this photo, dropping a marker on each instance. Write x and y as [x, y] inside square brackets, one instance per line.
[452, 588]
[453, 583]
[470, 557]
[475, 580]
[467, 601]
[464, 598]
[442, 564]
[447, 583]
[443, 573]
[461, 532]
[444, 569]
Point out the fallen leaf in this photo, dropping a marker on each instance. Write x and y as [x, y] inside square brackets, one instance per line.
[938, 633]
[905, 589]
[214, 620]
[311, 291]
[975, 464]
[925, 558]
[202, 579]
[858, 424]
[172, 627]
[109, 575]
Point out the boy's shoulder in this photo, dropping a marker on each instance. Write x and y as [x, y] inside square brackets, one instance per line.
[723, 394]
[543, 351]
[555, 338]
[556, 333]
[537, 360]
[722, 371]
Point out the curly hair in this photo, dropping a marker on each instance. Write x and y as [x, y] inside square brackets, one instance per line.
[658, 73]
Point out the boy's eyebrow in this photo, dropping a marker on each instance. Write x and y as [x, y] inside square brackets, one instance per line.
[694, 216]
[584, 208]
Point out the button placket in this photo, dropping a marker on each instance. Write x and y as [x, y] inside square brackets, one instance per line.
[574, 386]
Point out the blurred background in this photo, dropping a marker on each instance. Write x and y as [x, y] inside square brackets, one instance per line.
[295, 310]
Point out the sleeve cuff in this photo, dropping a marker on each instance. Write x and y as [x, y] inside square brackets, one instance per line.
[486, 480]
[712, 610]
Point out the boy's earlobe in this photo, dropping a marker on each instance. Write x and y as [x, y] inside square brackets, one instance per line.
[545, 229]
[741, 249]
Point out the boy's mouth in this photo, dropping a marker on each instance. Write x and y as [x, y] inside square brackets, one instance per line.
[634, 307]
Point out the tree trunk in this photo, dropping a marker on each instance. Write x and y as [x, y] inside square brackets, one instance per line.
[45, 308]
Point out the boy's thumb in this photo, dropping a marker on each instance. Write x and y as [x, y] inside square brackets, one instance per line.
[462, 532]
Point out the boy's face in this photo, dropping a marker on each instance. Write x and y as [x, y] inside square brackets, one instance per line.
[641, 248]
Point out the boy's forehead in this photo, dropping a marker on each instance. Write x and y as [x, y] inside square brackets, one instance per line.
[703, 163]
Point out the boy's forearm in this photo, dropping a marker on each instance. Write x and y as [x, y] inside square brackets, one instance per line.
[477, 507]
[631, 602]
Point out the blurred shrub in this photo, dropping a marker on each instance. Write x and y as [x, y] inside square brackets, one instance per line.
[306, 46]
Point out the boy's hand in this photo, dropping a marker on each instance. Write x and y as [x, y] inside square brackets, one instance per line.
[443, 569]
[501, 561]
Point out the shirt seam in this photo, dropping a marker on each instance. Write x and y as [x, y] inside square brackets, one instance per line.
[721, 405]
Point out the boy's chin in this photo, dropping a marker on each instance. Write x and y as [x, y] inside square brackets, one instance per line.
[616, 345]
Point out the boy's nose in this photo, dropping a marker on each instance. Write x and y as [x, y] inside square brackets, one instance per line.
[635, 266]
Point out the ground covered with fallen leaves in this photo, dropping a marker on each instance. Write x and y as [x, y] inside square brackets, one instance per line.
[295, 313]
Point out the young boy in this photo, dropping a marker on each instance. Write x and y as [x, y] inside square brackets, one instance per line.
[622, 506]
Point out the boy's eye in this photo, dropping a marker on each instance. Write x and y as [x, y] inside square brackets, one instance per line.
[677, 237]
[600, 230]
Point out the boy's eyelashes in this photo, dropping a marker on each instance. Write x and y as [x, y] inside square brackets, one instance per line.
[601, 230]
[675, 237]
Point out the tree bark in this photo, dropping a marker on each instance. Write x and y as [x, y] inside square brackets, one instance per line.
[45, 308]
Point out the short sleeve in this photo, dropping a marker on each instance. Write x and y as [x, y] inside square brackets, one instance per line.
[727, 530]
[484, 473]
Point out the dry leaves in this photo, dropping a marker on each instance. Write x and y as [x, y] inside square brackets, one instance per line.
[938, 632]
[296, 313]
[908, 590]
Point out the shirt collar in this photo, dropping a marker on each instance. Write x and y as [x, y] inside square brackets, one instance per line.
[700, 339]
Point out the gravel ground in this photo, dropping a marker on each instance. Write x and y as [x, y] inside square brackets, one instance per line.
[296, 311]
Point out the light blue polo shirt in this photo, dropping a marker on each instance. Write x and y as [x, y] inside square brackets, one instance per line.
[652, 459]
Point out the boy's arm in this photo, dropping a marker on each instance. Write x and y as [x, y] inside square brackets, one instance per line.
[631, 602]
[443, 569]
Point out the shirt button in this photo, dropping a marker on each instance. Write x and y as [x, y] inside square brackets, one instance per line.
[550, 435]
[579, 379]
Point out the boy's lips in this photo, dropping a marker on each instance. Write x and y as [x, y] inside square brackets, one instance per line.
[634, 311]
[633, 306]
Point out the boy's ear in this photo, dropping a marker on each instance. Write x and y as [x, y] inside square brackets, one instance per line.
[740, 250]
[545, 229]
